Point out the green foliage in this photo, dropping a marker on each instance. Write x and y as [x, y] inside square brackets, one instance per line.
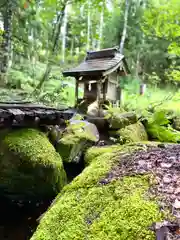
[30, 166]
[158, 128]
[160, 21]
[163, 22]
[19, 80]
[150, 51]
[154, 79]
[57, 91]
[112, 112]
[153, 99]
[85, 209]
[173, 73]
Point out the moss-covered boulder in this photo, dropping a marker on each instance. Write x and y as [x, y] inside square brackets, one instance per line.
[121, 120]
[94, 152]
[89, 209]
[133, 133]
[176, 123]
[30, 168]
[78, 136]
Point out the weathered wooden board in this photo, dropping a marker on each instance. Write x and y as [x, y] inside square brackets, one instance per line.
[15, 114]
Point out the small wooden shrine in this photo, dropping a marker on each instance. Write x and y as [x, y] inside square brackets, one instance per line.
[99, 76]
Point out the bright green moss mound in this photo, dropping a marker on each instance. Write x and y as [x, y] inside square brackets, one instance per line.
[93, 152]
[133, 133]
[29, 165]
[85, 209]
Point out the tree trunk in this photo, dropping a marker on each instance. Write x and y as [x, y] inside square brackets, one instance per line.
[143, 39]
[123, 38]
[55, 38]
[6, 43]
[137, 64]
[64, 33]
[88, 27]
[72, 47]
[101, 25]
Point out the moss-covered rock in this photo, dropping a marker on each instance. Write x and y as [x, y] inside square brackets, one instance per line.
[78, 136]
[133, 133]
[94, 152]
[85, 209]
[123, 119]
[176, 123]
[29, 165]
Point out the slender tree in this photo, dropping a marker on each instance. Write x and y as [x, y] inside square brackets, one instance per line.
[123, 38]
[101, 25]
[64, 33]
[6, 42]
[88, 26]
[55, 38]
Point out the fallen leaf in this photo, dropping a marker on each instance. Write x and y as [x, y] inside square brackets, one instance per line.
[178, 231]
[167, 178]
[176, 204]
[166, 165]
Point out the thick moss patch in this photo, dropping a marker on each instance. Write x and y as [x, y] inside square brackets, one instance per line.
[76, 139]
[94, 152]
[29, 165]
[88, 210]
[133, 133]
[118, 121]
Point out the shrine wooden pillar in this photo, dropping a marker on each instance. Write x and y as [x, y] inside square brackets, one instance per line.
[99, 85]
[76, 91]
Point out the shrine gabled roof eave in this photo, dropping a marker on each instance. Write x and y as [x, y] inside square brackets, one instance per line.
[83, 70]
[99, 63]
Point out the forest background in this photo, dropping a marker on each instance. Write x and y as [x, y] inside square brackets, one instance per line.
[41, 38]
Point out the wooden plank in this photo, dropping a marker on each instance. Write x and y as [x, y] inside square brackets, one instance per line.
[18, 115]
[31, 117]
[29, 106]
[40, 113]
[5, 114]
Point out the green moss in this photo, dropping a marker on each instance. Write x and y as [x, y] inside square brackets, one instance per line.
[118, 121]
[74, 141]
[133, 133]
[30, 166]
[85, 209]
[115, 211]
[102, 164]
[93, 152]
